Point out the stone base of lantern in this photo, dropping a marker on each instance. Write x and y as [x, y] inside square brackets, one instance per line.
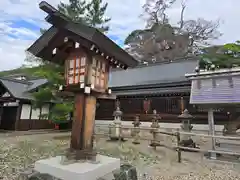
[77, 155]
[78, 170]
[115, 132]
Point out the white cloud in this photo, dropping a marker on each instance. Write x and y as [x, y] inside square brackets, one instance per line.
[12, 52]
[125, 18]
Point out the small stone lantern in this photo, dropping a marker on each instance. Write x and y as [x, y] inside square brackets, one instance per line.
[136, 130]
[186, 120]
[155, 142]
[186, 126]
[115, 127]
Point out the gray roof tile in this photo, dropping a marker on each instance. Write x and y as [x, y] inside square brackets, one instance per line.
[20, 88]
[153, 74]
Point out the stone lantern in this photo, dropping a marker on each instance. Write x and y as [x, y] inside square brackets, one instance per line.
[156, 136]
[186, 119]
[136, 130]
[186, 126]
[115, 131]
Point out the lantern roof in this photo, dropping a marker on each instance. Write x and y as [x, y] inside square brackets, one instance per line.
[215, 87]
[64, 34]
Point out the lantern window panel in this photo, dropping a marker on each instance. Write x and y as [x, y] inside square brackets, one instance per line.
[76, 78]
[71, 64]
[77, 63]
[81, 78]
[102, 83]
[70, 80]
[70, 72]
[103, 67]
[94, 63]
[82, 70]
[93, 72]
[99, 65]
[83, 61]
[97, 81]
[102, 76]
[98, 73]
[93, 80]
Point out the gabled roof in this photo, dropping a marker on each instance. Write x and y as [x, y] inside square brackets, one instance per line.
[87, 36]
[173, 72]
[20, 89]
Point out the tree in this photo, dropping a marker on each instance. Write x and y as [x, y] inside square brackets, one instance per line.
[179, 41]
[226, 56]
[80, 11]
[155, 11]
[92, 13]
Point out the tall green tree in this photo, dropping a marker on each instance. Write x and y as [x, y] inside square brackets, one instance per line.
[91, 13]
[225, 56]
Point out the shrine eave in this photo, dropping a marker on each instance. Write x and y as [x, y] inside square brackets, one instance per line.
[65, 34]
[214, 73]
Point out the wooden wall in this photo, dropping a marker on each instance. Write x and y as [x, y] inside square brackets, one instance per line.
[169, 109]
[31, 118]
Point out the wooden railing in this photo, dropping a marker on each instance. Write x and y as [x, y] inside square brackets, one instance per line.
[177, 134]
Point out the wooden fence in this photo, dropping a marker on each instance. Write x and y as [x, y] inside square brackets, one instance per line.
[177, 134]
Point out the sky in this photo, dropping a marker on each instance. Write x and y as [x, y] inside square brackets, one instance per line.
[20, 21]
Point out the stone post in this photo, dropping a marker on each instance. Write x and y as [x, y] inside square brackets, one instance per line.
[115, 127]
[136, 130]
[155, 142]
[186, 126]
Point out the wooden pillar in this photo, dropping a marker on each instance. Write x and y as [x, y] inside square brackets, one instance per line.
[212, 131]
[182, 104]
[18, 117]
[83, 123]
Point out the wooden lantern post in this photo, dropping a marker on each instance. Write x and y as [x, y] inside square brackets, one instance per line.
[87, 76]
[87, 55]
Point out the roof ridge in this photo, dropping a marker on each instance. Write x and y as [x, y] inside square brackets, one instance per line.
[186, 59]
[16, 80]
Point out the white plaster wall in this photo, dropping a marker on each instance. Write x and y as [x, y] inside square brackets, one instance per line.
[25, 113]
[35, 113]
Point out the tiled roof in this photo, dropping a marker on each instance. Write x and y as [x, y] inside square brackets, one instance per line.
[153, 74]
[20, 88]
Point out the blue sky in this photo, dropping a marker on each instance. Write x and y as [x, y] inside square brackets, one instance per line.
[20, 21]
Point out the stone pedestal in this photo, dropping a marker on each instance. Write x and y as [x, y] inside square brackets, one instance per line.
[79, 170]
[115, 131]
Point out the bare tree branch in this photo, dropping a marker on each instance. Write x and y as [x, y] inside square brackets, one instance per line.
[162, 42]
[183, 4]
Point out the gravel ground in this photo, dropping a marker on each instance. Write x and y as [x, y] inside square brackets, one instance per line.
[19, 153]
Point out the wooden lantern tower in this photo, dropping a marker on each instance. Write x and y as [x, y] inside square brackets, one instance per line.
[88, 56]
